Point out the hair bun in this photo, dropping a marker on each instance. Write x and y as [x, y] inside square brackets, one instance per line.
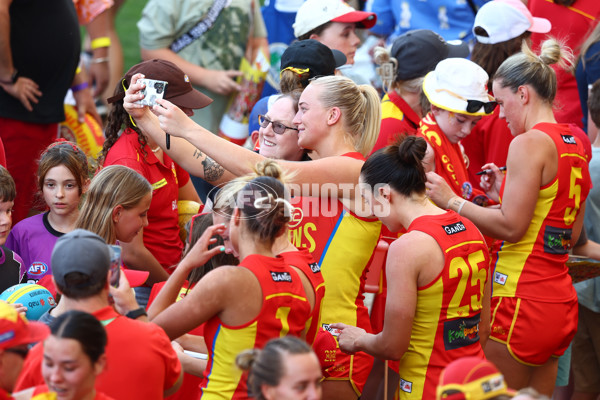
[246, 359]
[269, 167]
[411, 150]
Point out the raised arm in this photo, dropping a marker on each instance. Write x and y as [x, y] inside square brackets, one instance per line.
[226, 291]
[527, 170]
[201, 149]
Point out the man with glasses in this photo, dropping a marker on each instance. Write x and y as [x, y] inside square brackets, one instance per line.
[16, 334]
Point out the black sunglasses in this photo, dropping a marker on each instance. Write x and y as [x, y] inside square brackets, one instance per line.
[21, 351]
[278, 127]
[473, 105]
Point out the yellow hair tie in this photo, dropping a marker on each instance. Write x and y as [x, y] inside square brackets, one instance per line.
[100, 42]
[299, 71]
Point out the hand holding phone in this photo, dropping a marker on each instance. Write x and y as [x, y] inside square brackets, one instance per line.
[115, 264]
[154, 90]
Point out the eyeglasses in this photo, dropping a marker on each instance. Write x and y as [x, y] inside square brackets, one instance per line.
[278, 127]
[21, 351]
[473, 105]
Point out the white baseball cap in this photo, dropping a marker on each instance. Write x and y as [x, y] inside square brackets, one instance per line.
[505, 20]
[314, 13]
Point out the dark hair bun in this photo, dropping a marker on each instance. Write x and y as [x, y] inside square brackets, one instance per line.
[411, 150]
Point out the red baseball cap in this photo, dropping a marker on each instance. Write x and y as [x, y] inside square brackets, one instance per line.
[471, 378]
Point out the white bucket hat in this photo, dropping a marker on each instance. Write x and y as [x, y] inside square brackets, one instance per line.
[460, 86]
[507, 19]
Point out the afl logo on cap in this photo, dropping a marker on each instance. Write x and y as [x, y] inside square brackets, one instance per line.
[38, 268]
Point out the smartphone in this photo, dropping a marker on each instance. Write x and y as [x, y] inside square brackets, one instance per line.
[115, 264]
[154, 90]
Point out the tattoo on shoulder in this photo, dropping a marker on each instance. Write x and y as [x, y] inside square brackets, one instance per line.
[212, 170]
[197, 154]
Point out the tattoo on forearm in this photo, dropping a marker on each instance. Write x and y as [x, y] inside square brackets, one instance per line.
[212, 170]
[197, 154]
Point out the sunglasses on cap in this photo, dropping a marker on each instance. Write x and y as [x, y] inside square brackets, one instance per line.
[473, 105]
[278, 127]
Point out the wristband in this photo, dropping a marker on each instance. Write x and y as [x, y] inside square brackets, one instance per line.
[135, 314]
[13, 78]
[81, 86]
[460, 207]
[100, 42]
[450, 201]
[99, 60]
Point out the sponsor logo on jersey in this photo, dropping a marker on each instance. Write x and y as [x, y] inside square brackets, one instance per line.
[461, 332]
[557, 240]
[500, 278]
[296, 217]
[315, 267]
[38, 268]
[328, 328]
[454, 228]
[405, 386]
[568, 139]
[281, 276]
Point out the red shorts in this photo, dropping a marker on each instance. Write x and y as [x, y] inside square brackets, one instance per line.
[355, 368]
[533, 331]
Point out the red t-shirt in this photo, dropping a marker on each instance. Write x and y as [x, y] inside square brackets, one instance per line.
[161, 236]
[396, 118]
[190, 387]
[141, 363]
[488, 142]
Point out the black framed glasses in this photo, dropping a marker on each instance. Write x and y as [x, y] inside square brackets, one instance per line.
[21, 351]
[473, 105]
[278, 127]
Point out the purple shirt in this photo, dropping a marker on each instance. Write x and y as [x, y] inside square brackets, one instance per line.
[33, 239]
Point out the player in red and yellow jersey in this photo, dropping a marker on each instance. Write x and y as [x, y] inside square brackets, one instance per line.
[243, 306]
[335, 117]
[534, 305]
[437, 275]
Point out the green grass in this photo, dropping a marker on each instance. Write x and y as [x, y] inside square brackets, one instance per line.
[127, 18]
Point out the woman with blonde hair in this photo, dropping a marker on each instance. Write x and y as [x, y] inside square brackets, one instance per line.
[338, 123]
[542, 199]
[116, 204]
